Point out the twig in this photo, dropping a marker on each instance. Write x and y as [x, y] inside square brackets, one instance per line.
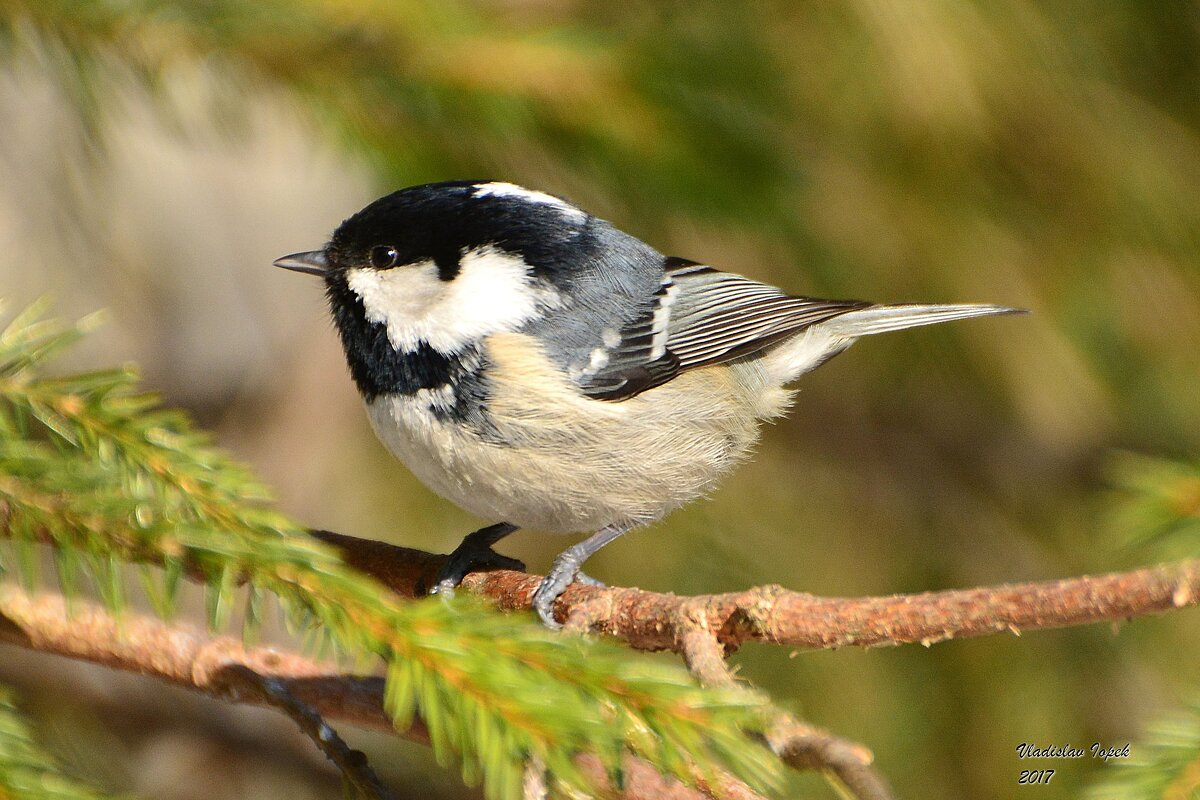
[238, 679]
[697, 642]
[187, 657]
[803, 746]
[774, 615]
[800, 745]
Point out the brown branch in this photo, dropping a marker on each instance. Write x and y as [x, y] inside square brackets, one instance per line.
[800, 745]
[183, 656]
[774, 615]
[210, 664]
[704, 629]
[803, 746]
[272, 691]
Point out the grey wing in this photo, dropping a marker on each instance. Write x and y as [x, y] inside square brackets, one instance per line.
[700, 316]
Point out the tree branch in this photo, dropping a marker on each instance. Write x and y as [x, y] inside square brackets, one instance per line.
[702, 628]
[221, 666]
[774, 615]
[239, 680]
[800, 745]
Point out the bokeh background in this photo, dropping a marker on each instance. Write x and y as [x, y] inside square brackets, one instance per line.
[156, 156]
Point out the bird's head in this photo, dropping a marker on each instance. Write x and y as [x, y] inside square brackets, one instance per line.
[443, 265]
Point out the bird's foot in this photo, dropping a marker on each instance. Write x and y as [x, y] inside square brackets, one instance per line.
[474, 554]
[564, 572]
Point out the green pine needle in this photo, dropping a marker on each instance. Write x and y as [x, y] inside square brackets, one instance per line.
[28, 771]
[92, 468]
[1156, 506]
[1166, 764]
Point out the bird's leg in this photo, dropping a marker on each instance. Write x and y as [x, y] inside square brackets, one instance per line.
[473, 552]
[566, 569]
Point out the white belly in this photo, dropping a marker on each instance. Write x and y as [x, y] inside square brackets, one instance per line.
[561, 462]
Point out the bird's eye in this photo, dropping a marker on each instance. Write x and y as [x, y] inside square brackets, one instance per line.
[384, 256]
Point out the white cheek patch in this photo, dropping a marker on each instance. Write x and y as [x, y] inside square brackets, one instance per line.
[499, 189]
[492, 292]
[398, 298]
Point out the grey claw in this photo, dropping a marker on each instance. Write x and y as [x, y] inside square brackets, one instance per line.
[456, 569]
[560, 576]
[551, 588]
[543, 604]
[588, 580]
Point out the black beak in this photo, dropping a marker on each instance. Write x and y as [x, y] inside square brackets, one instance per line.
[312, 262]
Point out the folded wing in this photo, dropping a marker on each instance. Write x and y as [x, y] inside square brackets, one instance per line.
[701, 316]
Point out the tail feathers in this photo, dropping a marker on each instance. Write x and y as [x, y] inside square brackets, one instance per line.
[882, 319]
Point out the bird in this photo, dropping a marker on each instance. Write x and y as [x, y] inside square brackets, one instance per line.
[539, 367]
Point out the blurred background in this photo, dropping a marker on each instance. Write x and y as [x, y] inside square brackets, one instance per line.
[156, 156]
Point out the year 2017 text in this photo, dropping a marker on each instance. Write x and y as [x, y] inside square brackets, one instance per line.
[1028, 777]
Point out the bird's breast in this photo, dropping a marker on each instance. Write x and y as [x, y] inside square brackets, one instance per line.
[555, 460]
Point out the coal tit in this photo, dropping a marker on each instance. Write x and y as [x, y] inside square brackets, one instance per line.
[535, 365]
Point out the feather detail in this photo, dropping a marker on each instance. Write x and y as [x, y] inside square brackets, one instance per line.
[884, 319]
[702, 316]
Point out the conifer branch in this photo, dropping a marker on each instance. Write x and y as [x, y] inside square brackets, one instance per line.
[1161, 766]
[703, 629]
[218, 666]
[105, 478]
